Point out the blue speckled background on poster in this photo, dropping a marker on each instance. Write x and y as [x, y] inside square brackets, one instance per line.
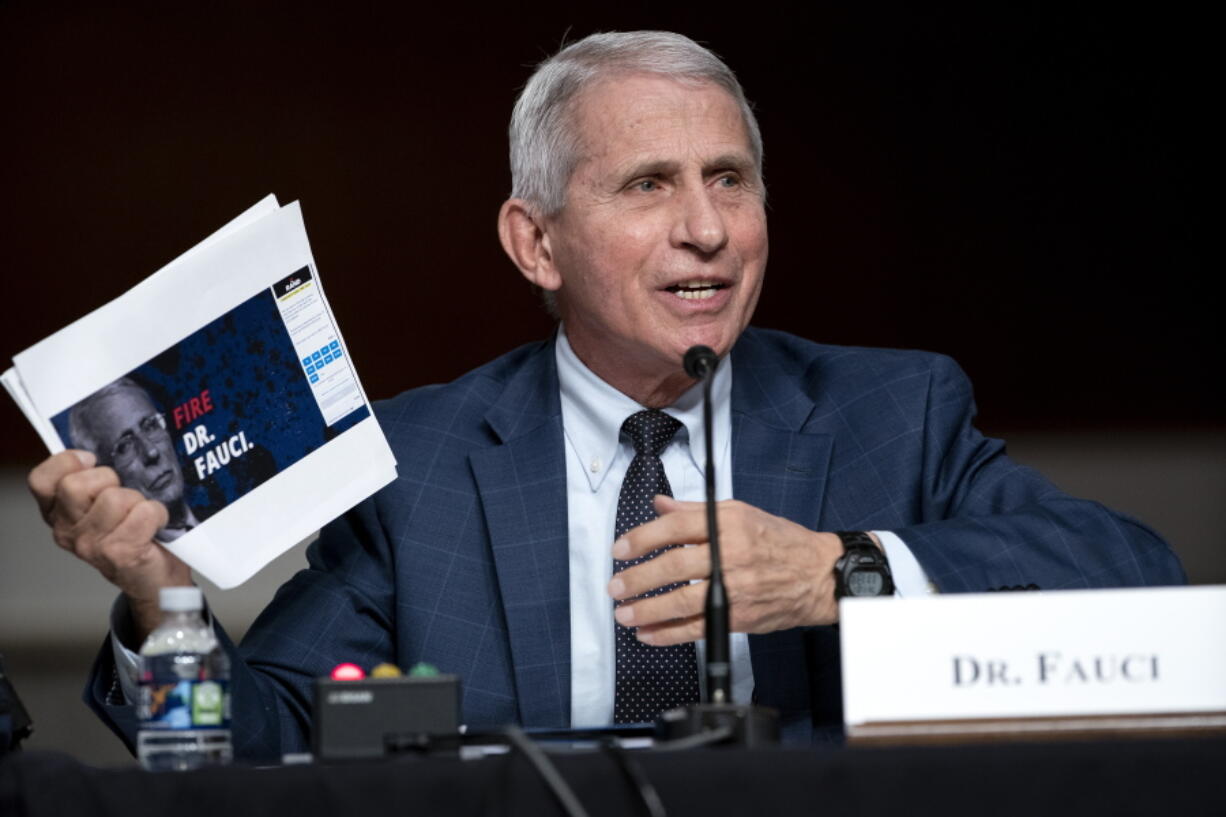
[257, 384]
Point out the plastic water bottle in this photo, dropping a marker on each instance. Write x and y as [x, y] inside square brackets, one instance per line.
[184, 705]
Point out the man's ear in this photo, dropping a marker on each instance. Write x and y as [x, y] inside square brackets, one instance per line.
[526, 242]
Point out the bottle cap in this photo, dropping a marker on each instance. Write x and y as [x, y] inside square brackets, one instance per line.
[180, 599]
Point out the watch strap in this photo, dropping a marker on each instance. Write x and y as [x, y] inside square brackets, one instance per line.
[860, 553]
[856, 538]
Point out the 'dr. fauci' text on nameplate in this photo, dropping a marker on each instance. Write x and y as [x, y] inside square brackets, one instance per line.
[1034, 664]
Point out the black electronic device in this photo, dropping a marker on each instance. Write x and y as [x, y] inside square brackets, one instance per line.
[15, 723]
[357, 720]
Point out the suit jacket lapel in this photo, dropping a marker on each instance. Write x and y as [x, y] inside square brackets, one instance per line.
[779, 464]
[522, 485]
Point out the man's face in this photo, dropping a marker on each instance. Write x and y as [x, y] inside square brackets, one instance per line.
[133, 440]
[662, 241]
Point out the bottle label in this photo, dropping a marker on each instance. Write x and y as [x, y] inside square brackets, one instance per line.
[182, 704]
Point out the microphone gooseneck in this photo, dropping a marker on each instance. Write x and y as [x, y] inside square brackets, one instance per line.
[700, 363]
[717, 720]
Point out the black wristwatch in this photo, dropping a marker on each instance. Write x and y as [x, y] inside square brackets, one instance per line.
[862, 570]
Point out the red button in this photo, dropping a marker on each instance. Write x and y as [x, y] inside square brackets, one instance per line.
[347, 672]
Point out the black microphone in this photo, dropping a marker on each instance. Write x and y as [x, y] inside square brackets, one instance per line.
[700, 361]
[718, 720]
[700, 364]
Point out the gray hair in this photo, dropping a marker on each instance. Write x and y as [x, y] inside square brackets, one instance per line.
[78, 418]
[544, 141]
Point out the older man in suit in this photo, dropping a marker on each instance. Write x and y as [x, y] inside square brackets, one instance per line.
[513, 547]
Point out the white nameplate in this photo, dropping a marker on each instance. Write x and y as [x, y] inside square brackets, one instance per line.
[1078, 660]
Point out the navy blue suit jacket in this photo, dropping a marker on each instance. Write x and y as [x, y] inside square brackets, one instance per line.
[462, 562]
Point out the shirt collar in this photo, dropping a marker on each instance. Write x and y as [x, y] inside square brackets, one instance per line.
[593, 413]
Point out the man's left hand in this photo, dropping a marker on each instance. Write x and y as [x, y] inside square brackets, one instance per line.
[778, 574]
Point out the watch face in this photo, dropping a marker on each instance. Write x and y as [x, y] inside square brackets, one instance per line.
[865, 583]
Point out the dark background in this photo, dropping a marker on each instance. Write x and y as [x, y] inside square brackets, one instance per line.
[1024, 188]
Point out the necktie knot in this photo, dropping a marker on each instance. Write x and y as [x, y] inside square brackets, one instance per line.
[650, 430]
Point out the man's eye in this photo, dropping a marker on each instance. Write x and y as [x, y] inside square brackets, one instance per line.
[123, 448]
[729, 181]
[646, 185]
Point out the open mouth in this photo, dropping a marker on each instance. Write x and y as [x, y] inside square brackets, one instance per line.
[696, 290]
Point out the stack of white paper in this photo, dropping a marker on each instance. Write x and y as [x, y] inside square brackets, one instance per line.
[222, 387]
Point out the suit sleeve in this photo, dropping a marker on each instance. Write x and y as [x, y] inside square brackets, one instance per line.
[989, 523]
[338, 609]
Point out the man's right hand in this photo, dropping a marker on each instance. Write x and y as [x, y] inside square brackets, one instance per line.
[110, 527]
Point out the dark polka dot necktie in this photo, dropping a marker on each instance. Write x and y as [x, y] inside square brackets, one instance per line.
[649, 679]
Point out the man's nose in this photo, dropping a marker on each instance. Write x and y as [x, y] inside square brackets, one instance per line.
[699, 223]
[150, 453]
